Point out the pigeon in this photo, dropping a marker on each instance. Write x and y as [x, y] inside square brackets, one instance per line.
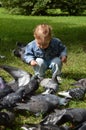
[5, 91]
[21, 77]
[32, 86]
[2, 82]
[19, 51]
[74, 93]
[4, 88]
[43, 127]
[50, 84]
[53, 99]
[83, 127]
[73, 115]
[80, 83]
[54, 117]
[36, 107]
[11, 99]
[7, 118]
[42, 104]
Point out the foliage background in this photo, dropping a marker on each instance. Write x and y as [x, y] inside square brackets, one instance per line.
[42, 7]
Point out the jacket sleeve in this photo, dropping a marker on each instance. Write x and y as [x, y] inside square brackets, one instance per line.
[28, 55]
[62, 49]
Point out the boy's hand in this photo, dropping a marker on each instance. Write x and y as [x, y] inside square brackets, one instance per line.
[33, 63]
[64, 59]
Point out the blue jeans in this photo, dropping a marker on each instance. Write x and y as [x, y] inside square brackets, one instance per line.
[55, 65]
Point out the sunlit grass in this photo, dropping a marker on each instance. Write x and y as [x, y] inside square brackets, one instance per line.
[72, 32]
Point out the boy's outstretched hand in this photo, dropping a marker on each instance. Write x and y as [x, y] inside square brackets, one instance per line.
[64, 59]
[33, 63]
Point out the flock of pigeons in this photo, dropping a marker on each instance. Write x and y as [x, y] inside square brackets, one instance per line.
[20, 95]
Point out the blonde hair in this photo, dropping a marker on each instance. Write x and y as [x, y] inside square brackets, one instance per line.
[43, 31]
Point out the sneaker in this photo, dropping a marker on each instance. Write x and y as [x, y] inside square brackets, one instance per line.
[59, 79]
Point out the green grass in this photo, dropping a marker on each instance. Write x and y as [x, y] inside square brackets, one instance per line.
[72, 32]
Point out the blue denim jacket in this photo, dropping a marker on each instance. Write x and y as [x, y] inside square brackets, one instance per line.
[55, 49]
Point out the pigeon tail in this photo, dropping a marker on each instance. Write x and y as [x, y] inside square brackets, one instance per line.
[49, 91]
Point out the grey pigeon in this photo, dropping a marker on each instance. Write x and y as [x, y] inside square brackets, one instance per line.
[50, 84]
[36, 107]
[74, 93]
[53, 99]
[42, 103]
[73, 115]
[80, 83]
[19, 50]
[11, 99]
[21, 77]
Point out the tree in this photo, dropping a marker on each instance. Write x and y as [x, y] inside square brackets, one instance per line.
[39, 7]
[22, 6]
[73, 7]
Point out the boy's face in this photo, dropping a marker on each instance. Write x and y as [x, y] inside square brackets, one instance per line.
[43, 43]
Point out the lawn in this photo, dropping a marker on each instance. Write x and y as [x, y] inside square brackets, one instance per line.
[71, 30]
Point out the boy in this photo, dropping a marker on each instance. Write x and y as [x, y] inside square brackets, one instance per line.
[45, 52]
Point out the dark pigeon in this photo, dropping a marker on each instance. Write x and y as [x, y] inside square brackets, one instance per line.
[83, 127]
[5, 91]
[75, 116]
[74, 93]
[32, 86]
[42, 104]
[11, 99]
[36, 107]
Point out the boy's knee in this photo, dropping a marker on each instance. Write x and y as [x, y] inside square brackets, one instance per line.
[40, 61]
[57, 61]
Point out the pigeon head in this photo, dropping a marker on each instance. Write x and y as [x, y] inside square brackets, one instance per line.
[19, 50]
